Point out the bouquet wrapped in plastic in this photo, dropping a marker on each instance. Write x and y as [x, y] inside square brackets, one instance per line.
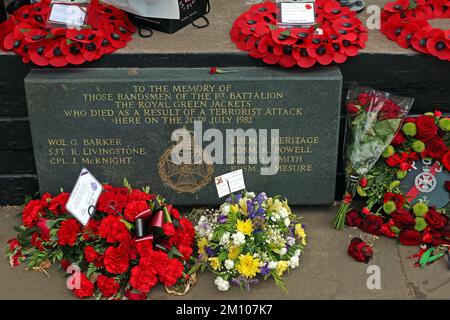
[373, 119]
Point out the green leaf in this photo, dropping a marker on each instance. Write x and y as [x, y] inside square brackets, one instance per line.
[385, 129]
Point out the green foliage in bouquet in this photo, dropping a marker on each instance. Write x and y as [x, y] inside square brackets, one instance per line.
[250, 236]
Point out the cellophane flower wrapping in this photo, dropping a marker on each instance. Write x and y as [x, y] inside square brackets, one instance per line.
[373, 119]
[250, 237]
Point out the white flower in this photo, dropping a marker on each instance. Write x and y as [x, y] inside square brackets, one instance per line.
[273, 265]
[297, 253]
[287, 222]
[283, 212]
[275, 217]
[222, 285]
[225, 209]
[294, 262]
[238, 238]
[250, 195]
[229, 264]
[283, 251]
[225, 239]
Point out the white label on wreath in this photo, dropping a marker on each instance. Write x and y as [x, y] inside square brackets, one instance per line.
[84, 196]
[298, 13]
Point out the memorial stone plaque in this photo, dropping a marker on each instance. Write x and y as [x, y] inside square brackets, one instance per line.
[121, 123]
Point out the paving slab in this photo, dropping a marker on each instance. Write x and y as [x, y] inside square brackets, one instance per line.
[326, 271]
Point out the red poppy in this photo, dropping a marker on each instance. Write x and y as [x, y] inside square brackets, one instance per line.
[398, 6]
[438, 45]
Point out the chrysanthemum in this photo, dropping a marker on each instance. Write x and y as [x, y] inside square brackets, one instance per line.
[245, 227]
[248, 266]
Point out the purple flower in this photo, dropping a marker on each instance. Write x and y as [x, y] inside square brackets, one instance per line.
[222, 219]
[265, 270]
[210, 252]
[244, 282]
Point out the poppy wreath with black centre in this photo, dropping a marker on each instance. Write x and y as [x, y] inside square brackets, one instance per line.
[25, 33]
[337, 35]
[407, 23]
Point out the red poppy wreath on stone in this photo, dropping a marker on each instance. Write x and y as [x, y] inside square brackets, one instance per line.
[337, 35]
[26, 34]
[407, 23]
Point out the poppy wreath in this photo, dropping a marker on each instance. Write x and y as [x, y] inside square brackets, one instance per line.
[110, 260]
[25, 33]
[387, 210]
[406, 22]
[337, 35]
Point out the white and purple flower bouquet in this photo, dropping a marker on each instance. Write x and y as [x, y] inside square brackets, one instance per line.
[249, 237]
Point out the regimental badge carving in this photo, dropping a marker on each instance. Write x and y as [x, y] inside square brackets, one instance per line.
[425, 182]
[184, 178]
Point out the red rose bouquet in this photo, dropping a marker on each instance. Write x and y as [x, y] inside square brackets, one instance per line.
[134, 240]
[373, 118]
[400, 211]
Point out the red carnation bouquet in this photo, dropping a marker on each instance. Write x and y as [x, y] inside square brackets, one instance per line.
[108, 257]
[26, 33]
[373, 119]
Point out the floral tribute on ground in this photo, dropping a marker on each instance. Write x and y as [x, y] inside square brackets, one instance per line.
[388, 206]
[337, 35]
[373, 119]
[407, 23]
[109, 259]
[250, 236]
[26, 34]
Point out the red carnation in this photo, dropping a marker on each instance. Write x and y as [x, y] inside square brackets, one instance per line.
[169, 229]
[396, 198]
[142, 279]
[44, 230]
[108, 286]
[410, 238]
[171, 273]
[135, 295]
[86, 287]
[13, 244]
[136, 195]
[386, 230]
[111, 202]
[90, 254]
[359, 250]
[31, 213]
[398, 140]
[446, 161]
[372, 224]
[113, 230]
[352, 108]
[58, 203]
[175, 213]
[68, 231]
[134, 208]
[403, 219]
[353, 219]
[435, 219]
[436, 148]
[426, 128]
[116, 260]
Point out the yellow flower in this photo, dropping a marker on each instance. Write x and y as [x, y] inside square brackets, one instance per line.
[243, 205]
[233, 252]
[234, 209]
[214, 263]
[286, 206]
[281, 267]
[300, 233]
[247, 265]
[201, 244]
[246, 227]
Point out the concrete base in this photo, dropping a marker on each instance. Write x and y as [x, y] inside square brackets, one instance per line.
[326, 271]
